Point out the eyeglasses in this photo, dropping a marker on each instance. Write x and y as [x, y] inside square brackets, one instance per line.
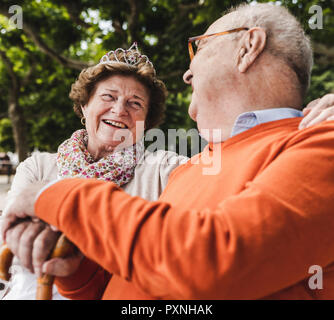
[195, 40]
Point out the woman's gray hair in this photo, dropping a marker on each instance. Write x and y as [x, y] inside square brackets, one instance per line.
[286, 38]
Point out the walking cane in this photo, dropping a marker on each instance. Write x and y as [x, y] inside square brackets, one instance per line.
[63, 248]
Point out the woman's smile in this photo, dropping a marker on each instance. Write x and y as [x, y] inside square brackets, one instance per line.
[115, 124]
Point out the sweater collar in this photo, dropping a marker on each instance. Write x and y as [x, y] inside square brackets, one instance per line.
[253, 131]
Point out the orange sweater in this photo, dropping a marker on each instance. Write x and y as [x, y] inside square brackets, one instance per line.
[250, 231]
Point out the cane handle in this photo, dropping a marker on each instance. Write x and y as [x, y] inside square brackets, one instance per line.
[63, 248]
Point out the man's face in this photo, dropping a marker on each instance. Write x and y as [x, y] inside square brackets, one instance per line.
[211, 73]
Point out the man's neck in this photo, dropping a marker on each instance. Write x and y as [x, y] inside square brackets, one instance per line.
[269, 84]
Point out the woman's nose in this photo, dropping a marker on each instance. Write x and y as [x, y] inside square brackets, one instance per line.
[119, 108]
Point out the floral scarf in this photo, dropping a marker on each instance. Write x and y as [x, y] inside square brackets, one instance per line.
[74, 160]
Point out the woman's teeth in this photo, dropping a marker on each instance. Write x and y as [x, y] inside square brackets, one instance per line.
[115, 124]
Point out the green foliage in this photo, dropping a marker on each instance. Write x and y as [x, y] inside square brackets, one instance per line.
[322, 82]
[6, 137]
[85, 30]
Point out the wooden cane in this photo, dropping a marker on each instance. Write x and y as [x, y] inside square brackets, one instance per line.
[6, 258]
[63, 248]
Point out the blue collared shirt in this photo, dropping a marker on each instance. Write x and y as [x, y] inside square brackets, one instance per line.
[251, 119]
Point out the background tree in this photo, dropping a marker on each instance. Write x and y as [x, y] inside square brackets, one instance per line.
[39, 63]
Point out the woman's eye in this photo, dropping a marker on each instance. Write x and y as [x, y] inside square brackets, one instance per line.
[135, 104]
[108, 97]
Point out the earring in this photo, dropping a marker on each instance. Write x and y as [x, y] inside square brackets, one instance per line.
[83, 121]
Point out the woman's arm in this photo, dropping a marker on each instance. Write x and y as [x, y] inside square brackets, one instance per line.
[321, 109]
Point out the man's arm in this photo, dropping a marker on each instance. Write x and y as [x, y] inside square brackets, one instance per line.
[252, 245]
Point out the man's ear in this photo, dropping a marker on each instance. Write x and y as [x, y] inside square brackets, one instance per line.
[252, 44]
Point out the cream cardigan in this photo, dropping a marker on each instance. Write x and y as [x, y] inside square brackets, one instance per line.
[150, 178]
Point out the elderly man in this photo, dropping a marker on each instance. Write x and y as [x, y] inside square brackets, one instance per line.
[254, 228]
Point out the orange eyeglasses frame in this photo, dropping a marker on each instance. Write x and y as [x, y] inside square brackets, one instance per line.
[204, 36]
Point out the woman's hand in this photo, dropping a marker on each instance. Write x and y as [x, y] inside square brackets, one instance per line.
[321, 109]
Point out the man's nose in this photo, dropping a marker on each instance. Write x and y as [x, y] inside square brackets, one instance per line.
[187, 77]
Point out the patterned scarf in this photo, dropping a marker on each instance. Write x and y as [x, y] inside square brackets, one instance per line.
[74, 160]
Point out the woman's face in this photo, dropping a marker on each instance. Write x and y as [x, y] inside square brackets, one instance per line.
[115, 114]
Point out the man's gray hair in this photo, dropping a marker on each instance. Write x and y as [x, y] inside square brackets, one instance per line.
[286, 38]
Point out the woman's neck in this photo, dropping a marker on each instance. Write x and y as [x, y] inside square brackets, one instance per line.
[100, 152]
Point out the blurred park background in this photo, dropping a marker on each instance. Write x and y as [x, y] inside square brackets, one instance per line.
[40, 61]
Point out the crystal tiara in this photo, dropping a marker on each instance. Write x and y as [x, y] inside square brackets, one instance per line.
[131, 56]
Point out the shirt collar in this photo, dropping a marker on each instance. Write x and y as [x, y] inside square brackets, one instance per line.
[251, 119]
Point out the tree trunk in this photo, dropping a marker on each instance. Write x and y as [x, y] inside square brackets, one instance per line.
[18, 124]
[14, 111]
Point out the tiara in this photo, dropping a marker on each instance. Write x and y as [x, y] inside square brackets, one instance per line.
[131, 59]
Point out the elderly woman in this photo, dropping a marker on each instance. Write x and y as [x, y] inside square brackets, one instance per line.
[116, 100]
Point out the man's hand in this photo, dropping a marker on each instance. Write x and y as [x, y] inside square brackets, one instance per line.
[63, 267]
[32, 243]
[321, 109]
[22, 207]
[32, 240]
